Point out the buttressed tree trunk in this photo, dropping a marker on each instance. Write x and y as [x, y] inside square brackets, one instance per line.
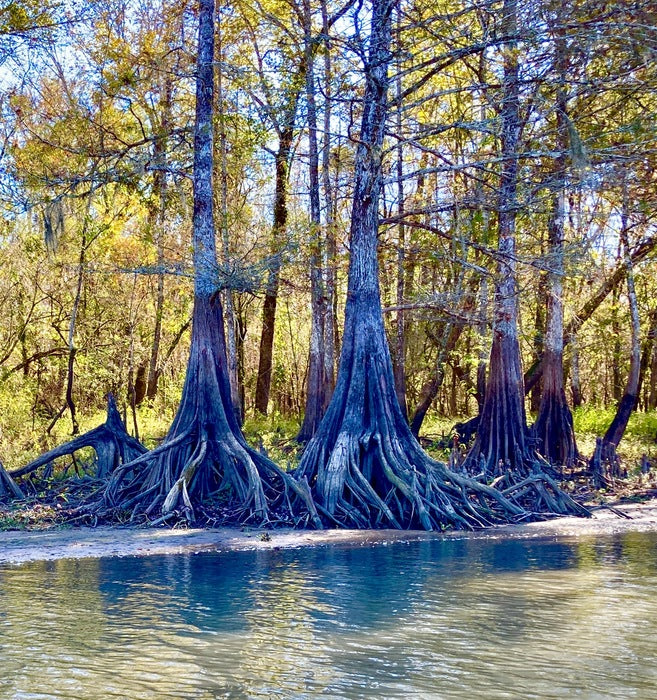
[554, 424]
[364, 466]
[501, 434]
[204, 452]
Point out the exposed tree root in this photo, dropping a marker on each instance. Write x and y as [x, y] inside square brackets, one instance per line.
[367, 470]
[111, 442]
[605, 466]
[8, 487]
[205, 456]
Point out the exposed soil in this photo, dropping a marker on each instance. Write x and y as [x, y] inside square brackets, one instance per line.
[17, 547]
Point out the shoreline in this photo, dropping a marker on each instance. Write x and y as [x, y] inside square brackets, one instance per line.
[19, 546]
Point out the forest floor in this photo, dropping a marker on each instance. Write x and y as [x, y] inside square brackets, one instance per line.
[66, 542]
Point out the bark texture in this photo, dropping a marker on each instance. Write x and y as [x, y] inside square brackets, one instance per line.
[554, 424]
[8, 487]
[364, 466]
[204, 453]
[317, 382]
[501, 434]
[282, 161]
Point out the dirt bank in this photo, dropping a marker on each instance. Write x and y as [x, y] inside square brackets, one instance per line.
[76, 543]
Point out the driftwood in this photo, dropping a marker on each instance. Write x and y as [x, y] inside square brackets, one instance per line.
[111, 442]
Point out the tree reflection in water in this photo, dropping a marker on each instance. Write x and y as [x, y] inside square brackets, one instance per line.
[429, 619]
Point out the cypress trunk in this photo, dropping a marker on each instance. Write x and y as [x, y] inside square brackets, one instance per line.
[204, 452]
[317, 384]
[501, 434]
[554, 424]
[363, 465]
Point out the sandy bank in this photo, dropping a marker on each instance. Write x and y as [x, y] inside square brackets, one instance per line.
[75, 543]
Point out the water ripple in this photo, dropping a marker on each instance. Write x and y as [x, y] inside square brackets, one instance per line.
[427, 620]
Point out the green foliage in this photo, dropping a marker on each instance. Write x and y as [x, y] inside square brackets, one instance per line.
[595, 420]
[275, 435]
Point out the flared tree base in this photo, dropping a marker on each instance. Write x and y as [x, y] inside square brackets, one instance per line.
[554, 431]
[366, 470]
[205, 456]
[110, 441]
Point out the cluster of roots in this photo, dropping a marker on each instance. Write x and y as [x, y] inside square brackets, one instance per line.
[366, 469]
[363, 469]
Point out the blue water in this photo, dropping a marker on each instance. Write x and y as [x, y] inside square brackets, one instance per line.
[431, 619]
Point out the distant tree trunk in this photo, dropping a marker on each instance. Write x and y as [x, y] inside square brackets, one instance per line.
[159, 225]
[482, 331]
[575, 383]
[651, 403]
[628, 400]
[71, 334]
[72, 349]
[540, 329]
[646, 354]
[605, 457]
[501, 434]
[616, 348]
[282, 166]
[317, 383]
[554, 423]
[445, 344]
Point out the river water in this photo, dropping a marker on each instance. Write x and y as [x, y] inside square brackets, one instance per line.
[430, 619]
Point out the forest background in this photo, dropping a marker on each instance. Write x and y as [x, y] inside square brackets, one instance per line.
[97, 104]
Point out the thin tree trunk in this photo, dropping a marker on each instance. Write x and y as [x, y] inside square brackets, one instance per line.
[160, 192]
[605, 463]
[282, 158]
[575, 382]
[451, 334]
[540, 330]
[616, 349]
[317, 385]
[652, 393]
[229, 309]
[72, 349]
[646, 353]
[482, 331]
[628, 400]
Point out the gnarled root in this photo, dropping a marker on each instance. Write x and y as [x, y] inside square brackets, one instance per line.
[366, 469]
[8, 487]
[111, 442]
